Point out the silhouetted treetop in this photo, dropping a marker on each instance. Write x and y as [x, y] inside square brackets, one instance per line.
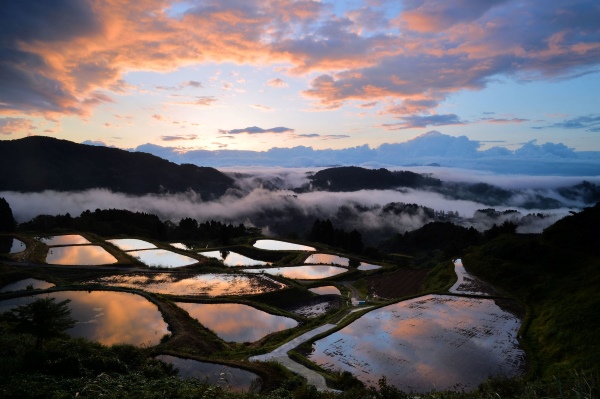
[352, 178]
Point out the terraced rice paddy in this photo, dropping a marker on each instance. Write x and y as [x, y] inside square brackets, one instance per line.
[107, 317]
[194, 284]
[228, 377]
[433, 342]
[309, 272]
[236, 322]
[162, 258]
[89, 255]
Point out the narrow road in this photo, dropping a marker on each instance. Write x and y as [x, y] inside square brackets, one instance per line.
[280, 356]
[354, 292]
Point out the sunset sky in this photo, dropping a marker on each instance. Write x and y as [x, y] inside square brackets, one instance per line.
[252, 75]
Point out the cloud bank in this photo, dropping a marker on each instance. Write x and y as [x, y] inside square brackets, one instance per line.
[430, 148]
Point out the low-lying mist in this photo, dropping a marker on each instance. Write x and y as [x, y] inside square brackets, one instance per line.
[266, 200]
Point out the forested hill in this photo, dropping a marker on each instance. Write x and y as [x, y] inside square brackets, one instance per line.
[44, 163]
[351, 178]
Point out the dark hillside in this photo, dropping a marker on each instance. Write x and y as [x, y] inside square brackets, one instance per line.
[353, 178]
[45, 163]
[557, 274]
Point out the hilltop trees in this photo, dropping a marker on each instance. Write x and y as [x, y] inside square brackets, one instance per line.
[7, 221]
[324, 232]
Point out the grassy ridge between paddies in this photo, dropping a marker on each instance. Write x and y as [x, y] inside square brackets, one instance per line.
[557, 275]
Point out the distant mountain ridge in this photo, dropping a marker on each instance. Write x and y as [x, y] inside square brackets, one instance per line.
[37, 163]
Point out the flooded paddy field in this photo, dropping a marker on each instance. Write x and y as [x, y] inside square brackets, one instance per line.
[469, 284]
[367, 266]
[162, 258]
[236, 322]
[326, 290]
[69, 239]
[107, 317]
[10, 245]
[212, 284]
[276, 245]
[232, 378]
[131, 244]
[317, 306]
[28, 283]
[89, 255]
[433, 342]
[308, 272]
[232, 259]
[327, 259]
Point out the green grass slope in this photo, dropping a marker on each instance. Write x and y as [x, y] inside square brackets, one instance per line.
[557, 275]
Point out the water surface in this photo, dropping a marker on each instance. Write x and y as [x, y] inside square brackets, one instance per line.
[232, 378]
[107, 317]
[326, 290]
[130, 244]
[467, 283]
[275, 245]
[308, 272]
[235, 322]
[69, 239]
[194, 284]
[79, 255]
[162, 258]
[367, 266]
[9, 245]
[327, 259]
[28, 282]
[180, 245]
[433, 342]
[230, 258]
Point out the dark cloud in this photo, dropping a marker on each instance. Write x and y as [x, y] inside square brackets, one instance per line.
[335, 136]
[590, 123]
[307, 136]
[504, 120]
[416, 121]
[439, 15]
[181, 137]
[257, 130]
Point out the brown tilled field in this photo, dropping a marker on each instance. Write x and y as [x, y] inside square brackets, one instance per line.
[400, 283]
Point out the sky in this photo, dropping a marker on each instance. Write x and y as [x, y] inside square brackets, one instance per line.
[256, 75]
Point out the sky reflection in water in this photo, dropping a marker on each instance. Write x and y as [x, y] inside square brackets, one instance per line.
[327, 259]
[367, 266]
[79, 255]
[233, 258]
[235, 322]
[216, 374]
[326, 290]
[308, 272]
[194, 284]
[130, 244]
[107, 317]
[275, 245]
[11, 245]
[23, 284]
[162, 258]
[433, 342]
[69, 239]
